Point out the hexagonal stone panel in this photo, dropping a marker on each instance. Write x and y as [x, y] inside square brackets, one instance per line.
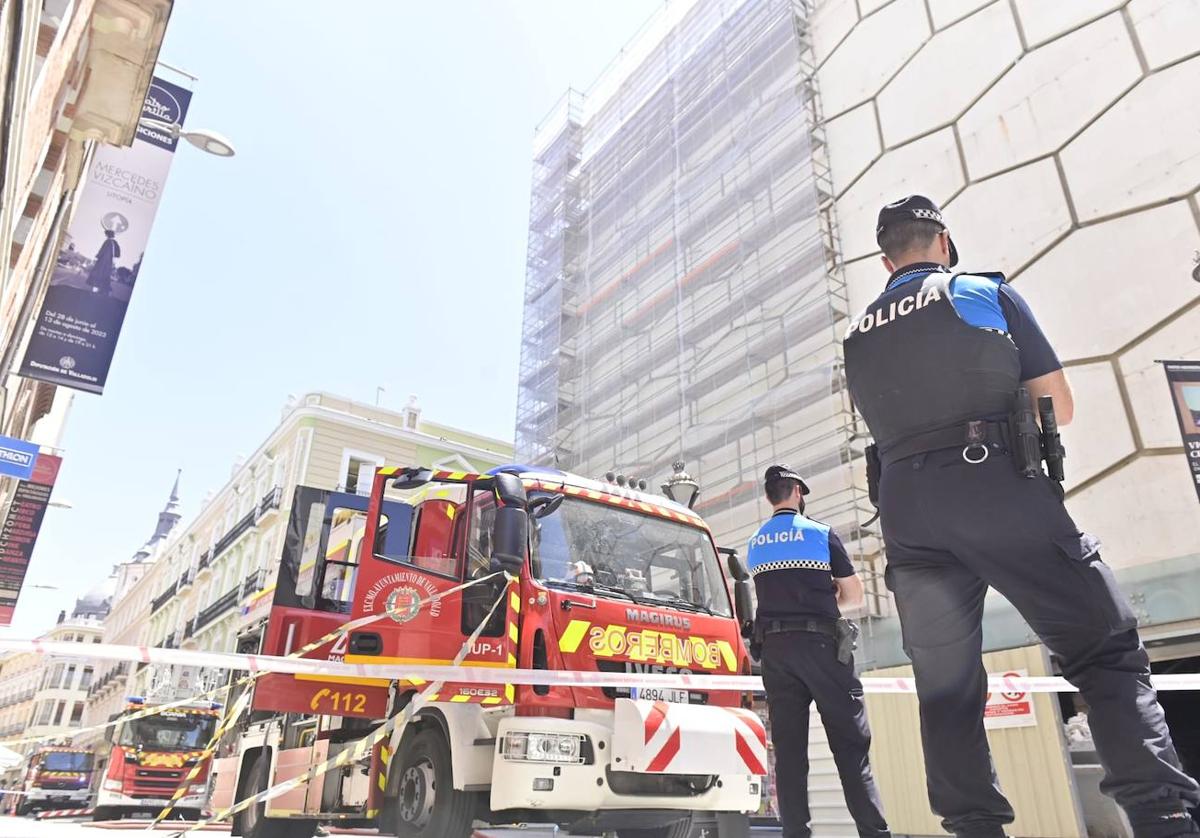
[1002, 223]
[1100, 435]
[929, 165]
[1043, 19]
[949, 72]
[868, 6]
[1122, 256]
[1140, 151]
[853, 144]
[1130, 509]
[945, 12]
[865, 279]
[1168, 29]
[829, 24]
[872, 53]
[1048, 96]
[1146, 382]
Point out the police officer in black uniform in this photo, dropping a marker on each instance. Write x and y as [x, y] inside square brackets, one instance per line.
[803, 576]
[933, 366]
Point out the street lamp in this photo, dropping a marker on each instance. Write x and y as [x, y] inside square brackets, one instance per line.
[680, 487]
[201, 138]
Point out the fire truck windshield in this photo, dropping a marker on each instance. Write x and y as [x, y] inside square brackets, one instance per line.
[168, 732]
[67, 761]
[619, 552]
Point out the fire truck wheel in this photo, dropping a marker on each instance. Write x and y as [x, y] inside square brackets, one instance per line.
[253, 822]
[678, 829]
[427, 805]
[24, 809]
[102, 813]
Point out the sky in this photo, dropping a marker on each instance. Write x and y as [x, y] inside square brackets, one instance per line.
[369, 233]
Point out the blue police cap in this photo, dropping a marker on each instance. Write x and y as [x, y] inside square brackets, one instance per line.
[785, 472]
[914, 206]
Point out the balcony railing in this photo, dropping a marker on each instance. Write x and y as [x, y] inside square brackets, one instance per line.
[254, 583]
[184, 580]
[169, 642]
[227, 601]
[271, 500]
[162, 599]
[189, 628]
[204, 559]
[235, 532]
[16, 698]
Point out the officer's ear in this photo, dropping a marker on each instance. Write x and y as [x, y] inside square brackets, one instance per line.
[888, 265]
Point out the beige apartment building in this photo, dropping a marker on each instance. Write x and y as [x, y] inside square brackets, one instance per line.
[207, 583]
[74, 74]
[44, 696]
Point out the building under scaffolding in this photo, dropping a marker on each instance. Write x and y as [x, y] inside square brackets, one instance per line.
[684, 292]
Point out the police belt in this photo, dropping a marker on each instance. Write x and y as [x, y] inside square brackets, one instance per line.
[984, 435]
[780, 625]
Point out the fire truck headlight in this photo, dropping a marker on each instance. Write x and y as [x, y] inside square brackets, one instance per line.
[198, 788]
[112, 785]
[565, 748]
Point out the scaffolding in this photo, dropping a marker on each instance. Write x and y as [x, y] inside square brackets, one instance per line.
[684, 292]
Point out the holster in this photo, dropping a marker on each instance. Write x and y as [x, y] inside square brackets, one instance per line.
[756, 641]
[847, 640]
[874, 468]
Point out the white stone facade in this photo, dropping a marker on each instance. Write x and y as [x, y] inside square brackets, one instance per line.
[1061, 140]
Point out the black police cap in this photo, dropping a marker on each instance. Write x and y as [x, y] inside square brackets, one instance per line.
[914, 206]
[783, 472]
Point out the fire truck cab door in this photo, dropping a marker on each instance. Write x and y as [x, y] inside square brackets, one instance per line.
[427, 621]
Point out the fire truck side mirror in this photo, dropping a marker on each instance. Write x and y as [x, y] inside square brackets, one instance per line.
[743, 605]
[737, 567]
[510, 537]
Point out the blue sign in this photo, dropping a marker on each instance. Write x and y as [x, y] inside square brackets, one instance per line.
[17, 458]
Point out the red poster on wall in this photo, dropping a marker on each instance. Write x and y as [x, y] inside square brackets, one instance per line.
[22, 523]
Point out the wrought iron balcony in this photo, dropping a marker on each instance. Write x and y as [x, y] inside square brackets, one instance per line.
[162, 599]
[189, 628]
[271, 500]
[169, 642]
[204, 559]
[255, 582]
[226, 601]
[237, 531]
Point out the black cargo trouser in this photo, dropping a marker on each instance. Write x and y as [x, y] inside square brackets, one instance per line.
[798, 668]
[951, 530]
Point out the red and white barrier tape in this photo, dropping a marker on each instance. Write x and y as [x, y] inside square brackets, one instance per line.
[504, 675]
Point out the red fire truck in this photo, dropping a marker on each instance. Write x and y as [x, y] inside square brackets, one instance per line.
[56, 777]
[610, 579]
[150, 756]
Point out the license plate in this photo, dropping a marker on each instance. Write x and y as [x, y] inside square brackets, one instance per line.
[658, 694]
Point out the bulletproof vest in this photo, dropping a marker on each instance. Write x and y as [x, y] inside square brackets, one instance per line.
[914, 365]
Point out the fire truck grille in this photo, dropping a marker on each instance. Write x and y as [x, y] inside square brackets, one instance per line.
[155, 783]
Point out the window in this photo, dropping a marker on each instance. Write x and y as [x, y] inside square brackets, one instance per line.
[479, 599]
[77, 714]
[58, 716]
[53, 677]
[85, 680]
[45, 711]
[346, 530]
[69, 678]
[358, 471]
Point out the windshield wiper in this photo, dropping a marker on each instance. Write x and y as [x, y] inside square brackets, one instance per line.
[680, 602]
[595, 588]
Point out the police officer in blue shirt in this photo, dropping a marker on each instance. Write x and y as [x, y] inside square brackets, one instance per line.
[935, 365]
[802, 577]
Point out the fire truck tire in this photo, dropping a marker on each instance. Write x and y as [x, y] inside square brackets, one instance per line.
[253, 822]
[103, 813]
[678, 829]
[427, 805]
[24, 809]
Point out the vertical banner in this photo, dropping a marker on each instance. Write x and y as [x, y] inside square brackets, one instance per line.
[1184, 378]
[20, 531]
[76, 332]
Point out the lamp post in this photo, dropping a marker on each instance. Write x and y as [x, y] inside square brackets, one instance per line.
[680, 487]
[201, 138]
